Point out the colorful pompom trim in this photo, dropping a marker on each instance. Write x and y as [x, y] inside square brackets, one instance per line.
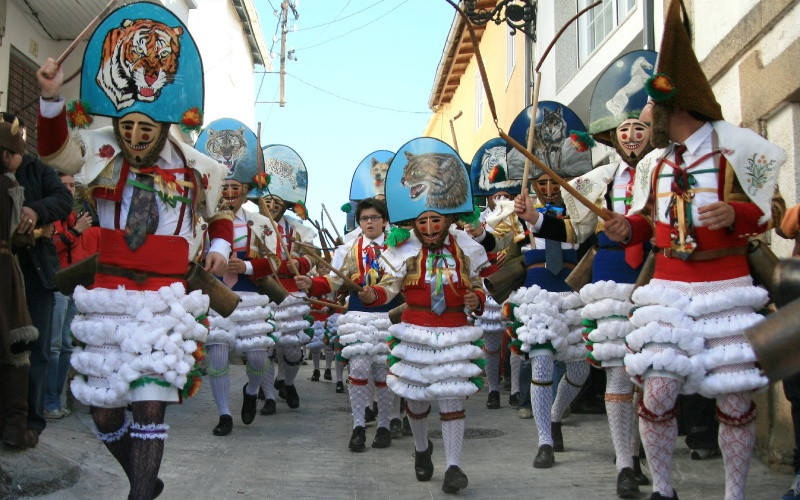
[347, 207]
[581, 141]
[474, 218]
[261, 179]
[192, 120]
[498, 174]
[660, 87]
[300, 209]
[477, 381]
[397, 236]
[78, 114]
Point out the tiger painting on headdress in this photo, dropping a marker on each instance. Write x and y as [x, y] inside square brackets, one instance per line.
[138, 60]
[226, 146]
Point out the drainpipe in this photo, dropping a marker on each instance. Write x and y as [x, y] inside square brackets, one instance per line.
[648, 28]
[453, 130]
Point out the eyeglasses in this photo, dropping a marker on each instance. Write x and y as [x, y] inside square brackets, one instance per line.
[370, 218]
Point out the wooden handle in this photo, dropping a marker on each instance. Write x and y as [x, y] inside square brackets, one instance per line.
[332, 223]
[335, 271]
[87, 30]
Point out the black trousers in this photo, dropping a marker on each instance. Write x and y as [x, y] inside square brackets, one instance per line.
[791, 389]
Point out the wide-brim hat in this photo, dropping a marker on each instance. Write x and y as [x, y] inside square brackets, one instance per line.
[11, 137]
[369, 178]
[489, 171]
[560, 142]
[233, 144]
[620, 93]
[679, 80]
[427, 174]
[160, 75]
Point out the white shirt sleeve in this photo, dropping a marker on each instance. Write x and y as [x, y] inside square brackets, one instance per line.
[50, 109]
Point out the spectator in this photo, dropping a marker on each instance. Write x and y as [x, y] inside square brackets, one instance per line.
[68, 239]
[46, 201]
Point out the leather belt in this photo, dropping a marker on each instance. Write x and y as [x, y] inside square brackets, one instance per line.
[705, 254]
[446, 309]
[134, 275]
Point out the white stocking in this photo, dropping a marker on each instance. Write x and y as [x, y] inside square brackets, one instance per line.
[736, 441]
[619, 410]
[256, 369]
[292, 356]
[384, 394]
[515, 360]
[268, 383]
[569, 387]
[659, 431]
[492, 351]
[328, 356]
[419, 426]
[542, 393]
[315, 355]
[359, 390]
[451, 412]
[218, 376]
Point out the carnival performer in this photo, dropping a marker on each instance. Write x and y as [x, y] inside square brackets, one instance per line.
[489, 177]
[285, 187]
[363, 330]
[700, 198]
[138, 326]
[435, 355]
[614, 271]
[16, 328]
[247, 330]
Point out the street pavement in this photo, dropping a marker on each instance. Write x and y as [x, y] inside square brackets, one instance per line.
[303, 453]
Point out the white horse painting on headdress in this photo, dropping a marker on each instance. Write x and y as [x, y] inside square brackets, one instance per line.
[639, 75]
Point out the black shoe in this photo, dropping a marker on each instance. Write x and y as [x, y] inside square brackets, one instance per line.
[327, 375]
[705, 453]
[658, 496]
[627, 487]
[269, 407]
[544, 459]
[248, 406]
[423, 465]
[224, 427]
[261, 394]
[383, 438]
[158, 488]
[396, 428]
[454, 479]
[292, 398]
[558, 439]
[493, 402]
[641, 479]
[340, 387]
[358, 439]
[369, 415]
[281, 386]
[513, 400]
[407, 427]
[315, 376]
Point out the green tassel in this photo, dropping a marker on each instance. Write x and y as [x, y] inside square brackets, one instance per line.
[660, 87]
[481, 362]
[477, 381]
[515, 343]
[589, 323]
[392, 341]
[397, 236]
[142, 381]
[474, 218]
[347, 207]
[392, 360]
[582, 138]
[479, 343]
[309, 332]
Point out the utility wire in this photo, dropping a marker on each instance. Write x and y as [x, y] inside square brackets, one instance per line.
[357, 102]
[355, 29]
[337, 19]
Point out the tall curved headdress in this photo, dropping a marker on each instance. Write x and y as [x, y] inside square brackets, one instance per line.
[288, 177]
[427, 174]
[620, 93]
[233, 144]
[369, 178]
[559, 141]
[489, 171]
[142, 59]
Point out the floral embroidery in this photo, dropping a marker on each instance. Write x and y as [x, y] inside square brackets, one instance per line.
[204, 181]
[106, 151]
[758, 172]
[583, 186]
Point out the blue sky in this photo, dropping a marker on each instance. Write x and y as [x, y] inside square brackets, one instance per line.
[361, 82]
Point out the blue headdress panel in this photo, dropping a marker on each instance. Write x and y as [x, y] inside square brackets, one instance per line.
[489, 171]
[233, 144]
[142, 59]
[288, 177]
[553, 144]
[369, 179]
[427, 174]
[620, 92]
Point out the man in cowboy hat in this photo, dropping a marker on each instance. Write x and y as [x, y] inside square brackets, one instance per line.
[701, 198]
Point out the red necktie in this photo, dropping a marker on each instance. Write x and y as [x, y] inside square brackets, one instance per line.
[633, 253]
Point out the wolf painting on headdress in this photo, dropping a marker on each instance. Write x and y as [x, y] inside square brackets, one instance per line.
[440, 177]
[550, 134]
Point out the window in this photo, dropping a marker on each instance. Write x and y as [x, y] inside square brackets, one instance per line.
[479, 96]
[511, 54]
[598, 23]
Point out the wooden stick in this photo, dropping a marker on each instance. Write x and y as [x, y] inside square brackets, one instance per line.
[526, 172]
[332, 224]
[335, 271]
[325, 303]
[87, 30]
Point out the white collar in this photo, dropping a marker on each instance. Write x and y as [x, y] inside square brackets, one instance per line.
[694, 141]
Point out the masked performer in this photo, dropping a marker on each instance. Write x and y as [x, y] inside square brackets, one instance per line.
[247, 330]
[435, 355]
[285, 187]
[138, 328]
[700, 198]
[363, 330]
